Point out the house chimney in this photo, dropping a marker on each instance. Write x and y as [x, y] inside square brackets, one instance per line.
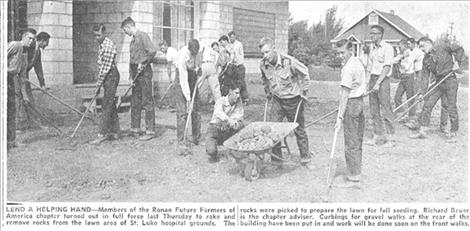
[392, 12]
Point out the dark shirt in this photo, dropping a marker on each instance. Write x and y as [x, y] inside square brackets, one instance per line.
[34, 60]
[439, 61]
[141, 48]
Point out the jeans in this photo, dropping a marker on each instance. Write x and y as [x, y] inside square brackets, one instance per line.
[447, 89]
[380, 106]
[11, 108]
[287, 108]
[353, 126]
[240, 77]
[110, 119]
[216, 136]
[406, 85]
[182, 109]
[142, 99]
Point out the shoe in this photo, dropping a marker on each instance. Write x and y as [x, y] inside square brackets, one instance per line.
[355, 178]
[388, 144]
[197, 140]
[305, 160]
[411, 125]
[135, 132]
[213, 159]
[391, 137]
[113, 136]
[344, 182]
[14, 144]
[421, 134]
[371, 142]
[451, 137]
[147, 136]
[101, 138]
[309, 165]
[443, 129]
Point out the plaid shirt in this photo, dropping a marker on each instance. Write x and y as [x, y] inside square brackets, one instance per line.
[106, 58]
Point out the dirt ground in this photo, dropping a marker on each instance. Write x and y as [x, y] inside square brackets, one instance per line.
[429, 170]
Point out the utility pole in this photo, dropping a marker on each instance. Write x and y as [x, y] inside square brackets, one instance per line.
[451, 28]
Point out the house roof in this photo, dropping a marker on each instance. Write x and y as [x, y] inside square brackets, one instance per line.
[394, 20]
[402, 24]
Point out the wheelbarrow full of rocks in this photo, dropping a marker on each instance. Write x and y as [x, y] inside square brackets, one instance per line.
[252, 146]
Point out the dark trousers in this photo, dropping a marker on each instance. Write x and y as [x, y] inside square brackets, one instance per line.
[447, 89]
[110, 119]
[142, 98]
[287, 108]
[353, 124]
[240, 74]
[380, 106]
[11, 108]
[25, 117]
[182, 109]
[216, 136]
[406, 85]
[228, 80]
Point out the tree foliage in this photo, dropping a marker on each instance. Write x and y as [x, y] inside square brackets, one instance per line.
[312, 44]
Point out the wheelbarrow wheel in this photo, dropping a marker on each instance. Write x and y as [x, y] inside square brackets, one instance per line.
[251, 171]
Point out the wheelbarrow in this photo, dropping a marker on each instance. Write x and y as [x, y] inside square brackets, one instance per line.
[256, 159]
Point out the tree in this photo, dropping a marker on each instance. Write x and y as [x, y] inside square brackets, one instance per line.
[313, 43]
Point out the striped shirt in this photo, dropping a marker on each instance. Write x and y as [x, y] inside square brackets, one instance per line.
[106, 58]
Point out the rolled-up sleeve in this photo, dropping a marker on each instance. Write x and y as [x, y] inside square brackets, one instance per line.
[183, 57]
[302, 74]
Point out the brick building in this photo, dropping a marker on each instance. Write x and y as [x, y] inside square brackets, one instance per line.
[70, 60]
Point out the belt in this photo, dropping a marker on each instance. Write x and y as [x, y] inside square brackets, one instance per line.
[207, 62]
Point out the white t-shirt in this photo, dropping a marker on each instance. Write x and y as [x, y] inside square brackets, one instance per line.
[171, 55]
[418, 56]
[353, 76]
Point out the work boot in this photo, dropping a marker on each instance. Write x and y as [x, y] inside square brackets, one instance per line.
[214, 159]
[14, 144]
[100, 139]
[307, 162]
[443, 129]
[135, 132]
[388, 144]
[421, 134]
[148, 136]
[412, 125]
[451, 137]
[371, 142]
[342, 181]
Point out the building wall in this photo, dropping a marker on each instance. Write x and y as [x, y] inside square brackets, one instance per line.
[216, 19]
[55, 18]
[111, 14]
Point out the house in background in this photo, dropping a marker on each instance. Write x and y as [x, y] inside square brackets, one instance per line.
[395, 27]
[70, 60]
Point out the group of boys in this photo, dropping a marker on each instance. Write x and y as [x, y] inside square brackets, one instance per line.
[286, 83]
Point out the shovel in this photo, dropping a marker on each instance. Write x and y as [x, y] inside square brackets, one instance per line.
[188, 146]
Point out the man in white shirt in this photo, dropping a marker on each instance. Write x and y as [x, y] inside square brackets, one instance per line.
[406, 62]
[351, 113]
[188, 65]
[238, 59]
[226, 121]
[209, 71]
[171, 55]
[379, 69]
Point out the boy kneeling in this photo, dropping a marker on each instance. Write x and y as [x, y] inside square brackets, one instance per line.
[226, 121]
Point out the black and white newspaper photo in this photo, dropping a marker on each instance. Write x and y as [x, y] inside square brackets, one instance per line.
[234, 115]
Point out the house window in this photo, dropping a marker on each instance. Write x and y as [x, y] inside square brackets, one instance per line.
[373, 19]
[174, 22]
[250, 26]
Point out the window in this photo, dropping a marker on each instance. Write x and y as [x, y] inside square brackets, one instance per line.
[174, 22]
[373, 19]
[250, 26]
